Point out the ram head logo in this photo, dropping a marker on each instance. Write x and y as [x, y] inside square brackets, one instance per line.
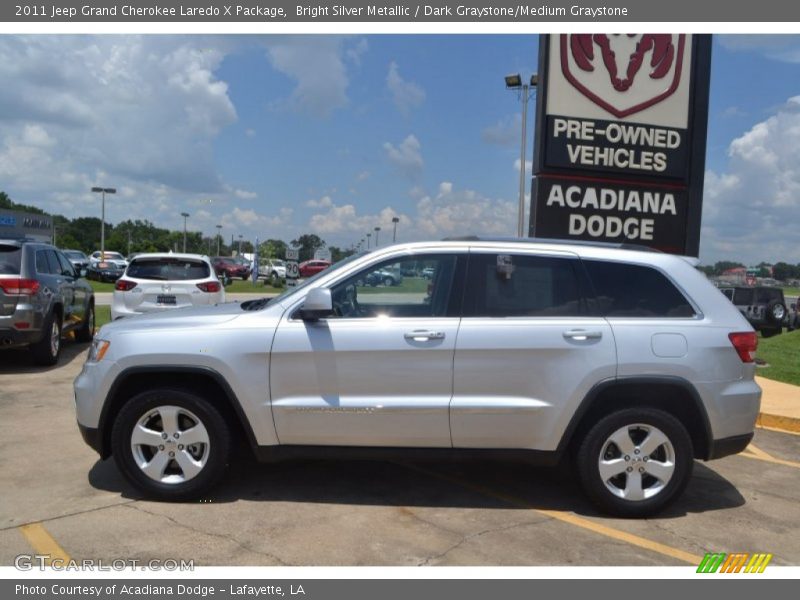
[607, 69]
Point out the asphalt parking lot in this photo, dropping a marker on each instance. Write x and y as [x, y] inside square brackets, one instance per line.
[59, 498]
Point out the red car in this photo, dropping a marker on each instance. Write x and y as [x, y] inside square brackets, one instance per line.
[312, 267]
[224, 265]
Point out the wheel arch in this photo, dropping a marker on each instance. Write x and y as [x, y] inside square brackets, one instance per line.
[203, 381]
[673, 395]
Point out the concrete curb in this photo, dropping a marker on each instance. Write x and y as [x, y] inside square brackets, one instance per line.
[779, 422]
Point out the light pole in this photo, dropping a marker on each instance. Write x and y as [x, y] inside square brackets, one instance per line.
[240, 244]
[395, 221]
[219, 237]
[525, 90]
[103, 191]
[377, 232]
[185, 216]
[369, 235]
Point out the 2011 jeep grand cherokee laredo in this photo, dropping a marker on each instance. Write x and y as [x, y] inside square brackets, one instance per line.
[628, 361]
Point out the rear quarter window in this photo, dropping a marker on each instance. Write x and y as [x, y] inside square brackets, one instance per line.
[626, 290]
[10, 259]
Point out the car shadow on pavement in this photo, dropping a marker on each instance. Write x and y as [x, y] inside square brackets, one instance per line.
[442, 484]
[19, 360]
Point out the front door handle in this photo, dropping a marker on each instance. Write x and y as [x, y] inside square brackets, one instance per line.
[422, 335]
[581, 335]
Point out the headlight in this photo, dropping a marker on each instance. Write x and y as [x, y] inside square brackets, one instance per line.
[98, 350]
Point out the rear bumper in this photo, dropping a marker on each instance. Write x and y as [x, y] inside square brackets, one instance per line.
[11, 337]
[728, 446]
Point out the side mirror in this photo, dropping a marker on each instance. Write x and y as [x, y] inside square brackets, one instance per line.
[318, 304]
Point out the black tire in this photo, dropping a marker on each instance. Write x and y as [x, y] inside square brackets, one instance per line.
[767, 332]
[86, 331]
[776, 312]
[175, 486]
[274, 279]
[388, 282]
[45, 352]
[674, 457]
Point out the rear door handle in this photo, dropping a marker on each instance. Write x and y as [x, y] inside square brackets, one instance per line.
[422, 335]
[581, 335]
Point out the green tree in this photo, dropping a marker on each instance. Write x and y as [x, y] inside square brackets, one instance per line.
[783, 271]
[723, 265]
[273, 248]
[308, 243]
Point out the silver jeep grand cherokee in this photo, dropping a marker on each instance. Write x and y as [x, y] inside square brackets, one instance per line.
[627, 361]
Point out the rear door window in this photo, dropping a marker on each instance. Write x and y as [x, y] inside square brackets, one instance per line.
[626, 290]
[506, 285]
[47, 263]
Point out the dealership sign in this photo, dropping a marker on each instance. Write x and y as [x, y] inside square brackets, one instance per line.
[620, 142]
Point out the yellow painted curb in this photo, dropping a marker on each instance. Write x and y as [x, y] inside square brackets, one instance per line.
[781, 423]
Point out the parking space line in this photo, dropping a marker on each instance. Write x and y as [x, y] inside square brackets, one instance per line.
[756, 453]
[43, 543]
[571, 518]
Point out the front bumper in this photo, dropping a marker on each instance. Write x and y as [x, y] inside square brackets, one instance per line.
[93, 438]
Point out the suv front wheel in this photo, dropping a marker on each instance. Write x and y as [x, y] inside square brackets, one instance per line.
[635, 462]
[171, 443]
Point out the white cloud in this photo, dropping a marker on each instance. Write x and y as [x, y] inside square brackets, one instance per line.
[344, 224]
[785, 48]
[317, 65]
[406, 156]
[324, 202]
[750, 212]
[407, 95]
[245, 194]
[263, 225]
[528, 166]
[463, 212]
[135, 112]
[505, 132]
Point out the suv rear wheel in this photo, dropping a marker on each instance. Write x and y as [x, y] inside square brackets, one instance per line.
[171, 443]
[46, 350]
[635, 462]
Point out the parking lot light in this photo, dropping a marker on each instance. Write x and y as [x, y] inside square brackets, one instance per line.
[103, 191]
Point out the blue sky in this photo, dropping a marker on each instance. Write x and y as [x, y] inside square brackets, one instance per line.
[275, 136]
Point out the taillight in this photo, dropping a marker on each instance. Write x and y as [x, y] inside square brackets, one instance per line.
[210, 286]
[19, 287]
[746, 343]
[123, 285]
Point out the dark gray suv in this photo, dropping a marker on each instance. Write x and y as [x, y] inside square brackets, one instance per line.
[42, 297]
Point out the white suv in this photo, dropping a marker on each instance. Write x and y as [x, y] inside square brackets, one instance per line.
[628, 361]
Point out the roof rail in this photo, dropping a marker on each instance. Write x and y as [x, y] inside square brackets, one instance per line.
[506, 240]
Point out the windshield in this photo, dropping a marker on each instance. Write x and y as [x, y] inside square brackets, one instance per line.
[75, 254]
[112, 255]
